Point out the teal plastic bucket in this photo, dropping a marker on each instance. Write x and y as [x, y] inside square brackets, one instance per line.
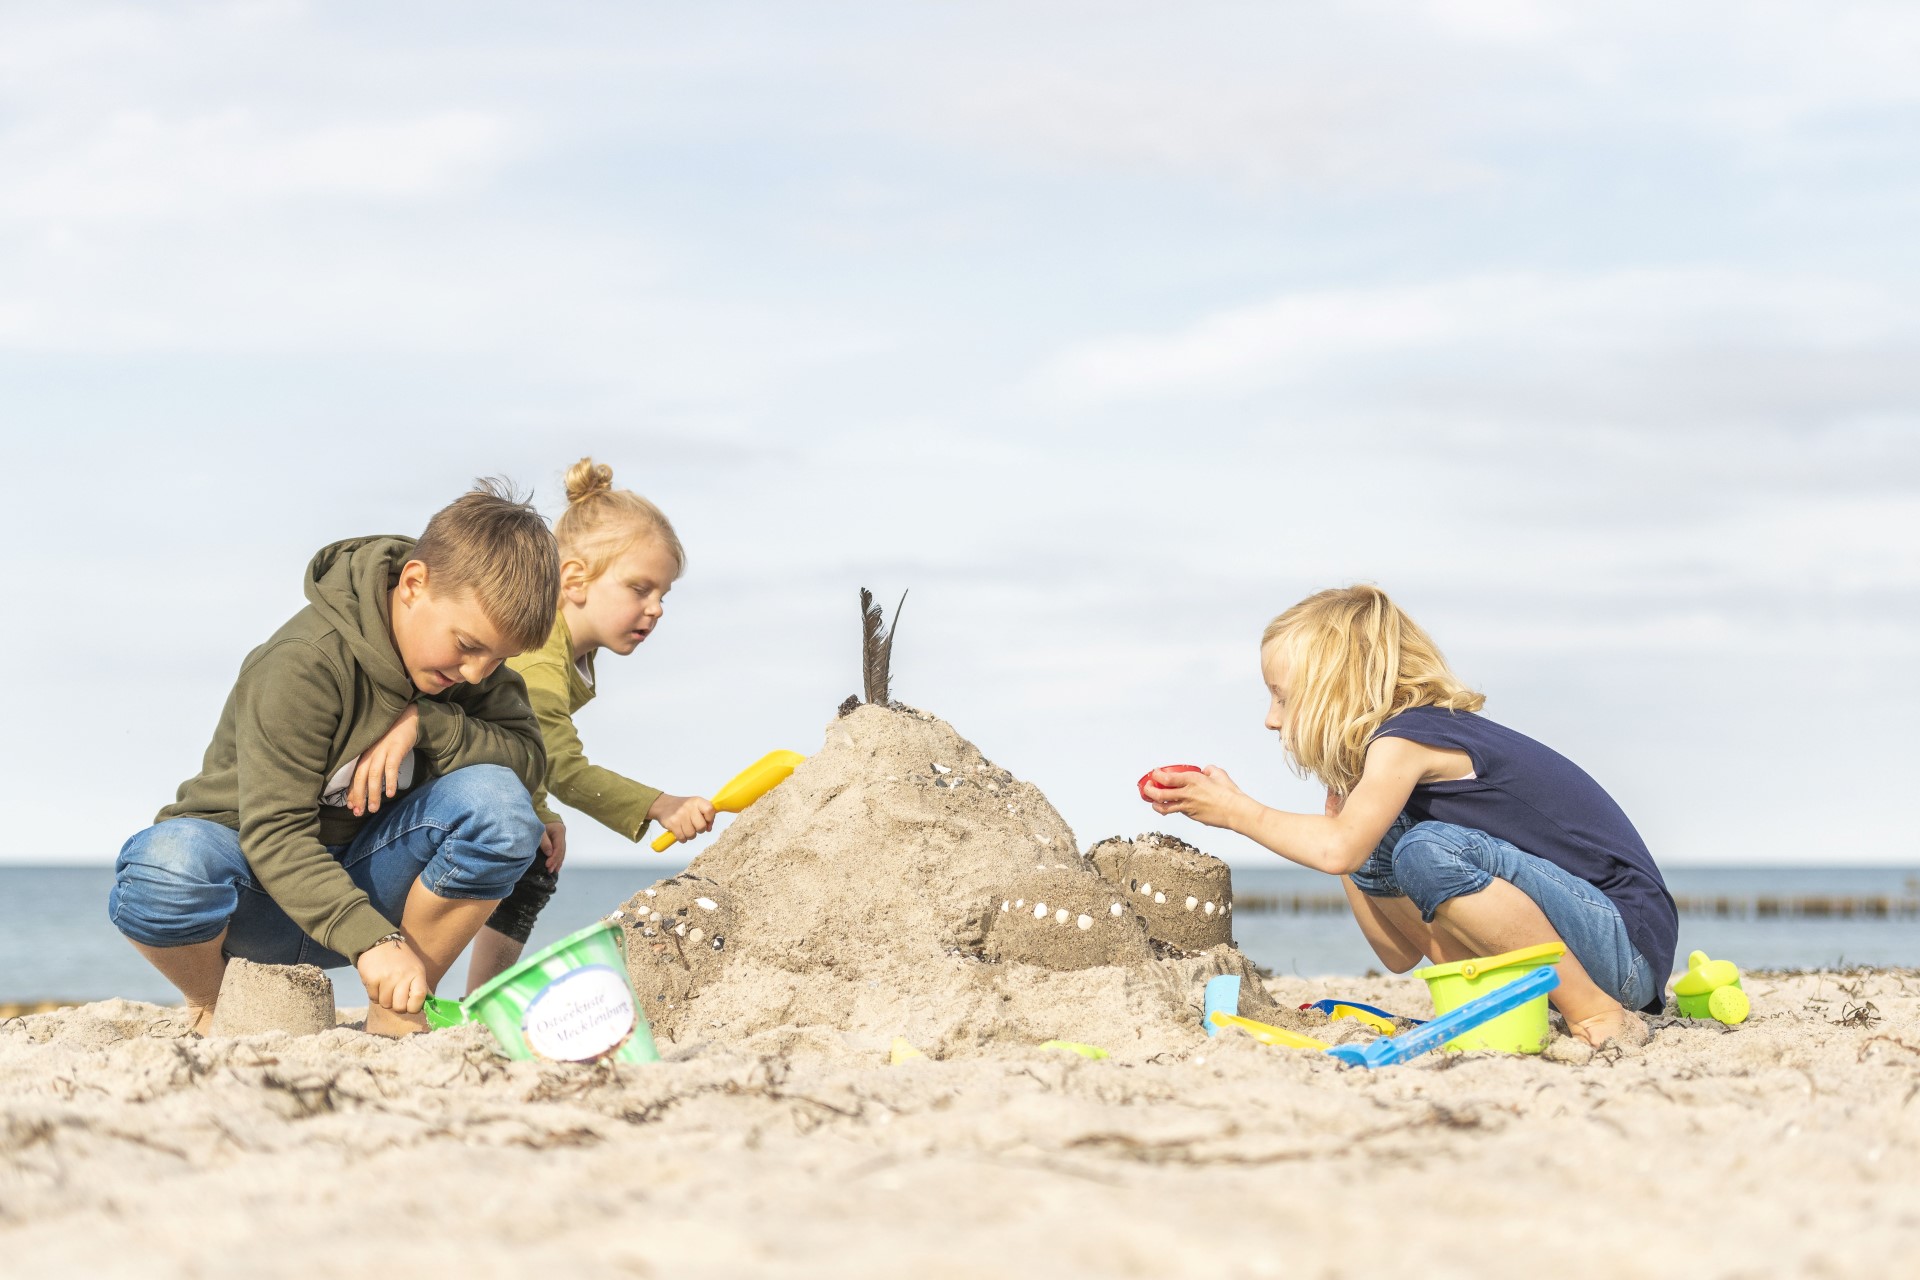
[570, 1002]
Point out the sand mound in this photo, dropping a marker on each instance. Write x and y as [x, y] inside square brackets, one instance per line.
[902, 884]
[294, 998]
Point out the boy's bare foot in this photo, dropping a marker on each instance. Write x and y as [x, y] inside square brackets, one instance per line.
[382, 1021]
[1616, 1024]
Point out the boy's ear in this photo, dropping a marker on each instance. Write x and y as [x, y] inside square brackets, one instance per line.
[413, 582]
[573, 579]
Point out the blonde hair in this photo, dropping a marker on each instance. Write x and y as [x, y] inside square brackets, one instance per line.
[1355, 660]
[601, 522]
[494, 545]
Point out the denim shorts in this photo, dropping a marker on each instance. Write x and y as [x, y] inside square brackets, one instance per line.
[468, 834]
[1430, 863]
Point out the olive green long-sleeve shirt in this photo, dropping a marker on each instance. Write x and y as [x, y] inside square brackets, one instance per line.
[557, 688]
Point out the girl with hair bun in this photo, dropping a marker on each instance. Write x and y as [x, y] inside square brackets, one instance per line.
[1455, 837]
[619, 556]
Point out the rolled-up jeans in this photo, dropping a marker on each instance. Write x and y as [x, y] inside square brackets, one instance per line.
[1431, 863]
[468, 834]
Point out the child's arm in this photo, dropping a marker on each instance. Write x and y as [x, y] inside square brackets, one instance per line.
[607, 797]
[1337, 843]
[282, 742]
[486, 723]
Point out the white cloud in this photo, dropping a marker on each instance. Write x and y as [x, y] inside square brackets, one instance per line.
[139, 165]
[1308, 336]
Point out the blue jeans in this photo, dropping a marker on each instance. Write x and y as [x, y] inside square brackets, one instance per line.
[1430, 863]
[468, 834]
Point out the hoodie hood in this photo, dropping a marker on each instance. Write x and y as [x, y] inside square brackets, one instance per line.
[349, 583]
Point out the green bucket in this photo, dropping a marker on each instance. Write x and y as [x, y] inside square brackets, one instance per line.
[1522, 1030]
[570, 1002]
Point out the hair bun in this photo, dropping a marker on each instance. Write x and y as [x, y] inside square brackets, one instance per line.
[586, 477]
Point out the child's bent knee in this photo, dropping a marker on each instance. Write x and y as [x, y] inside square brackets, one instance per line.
[173, 884]
[1431, 865]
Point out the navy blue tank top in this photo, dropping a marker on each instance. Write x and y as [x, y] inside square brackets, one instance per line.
[1538, 800]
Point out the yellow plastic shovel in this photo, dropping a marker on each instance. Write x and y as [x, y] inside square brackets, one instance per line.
[1266, 1033]
[752, 782]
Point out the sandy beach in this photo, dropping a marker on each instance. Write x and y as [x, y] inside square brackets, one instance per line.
[901, 884]
[1787, 1146]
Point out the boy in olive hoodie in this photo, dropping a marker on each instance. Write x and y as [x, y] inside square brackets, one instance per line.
[365, 797]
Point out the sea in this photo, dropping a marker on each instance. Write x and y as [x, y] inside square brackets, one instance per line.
[56, 942]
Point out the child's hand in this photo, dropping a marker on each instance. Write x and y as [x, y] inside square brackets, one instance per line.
[1210, 797]
[685, 816]
[553, 846]
[394, 975]
[380, 764]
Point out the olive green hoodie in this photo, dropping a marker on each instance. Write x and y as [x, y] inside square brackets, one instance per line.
[322, 690]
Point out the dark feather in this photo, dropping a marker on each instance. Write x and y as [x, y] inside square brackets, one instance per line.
[876, 647]
[873, 659]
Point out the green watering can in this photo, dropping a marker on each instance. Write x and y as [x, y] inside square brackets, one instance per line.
[570, 1002]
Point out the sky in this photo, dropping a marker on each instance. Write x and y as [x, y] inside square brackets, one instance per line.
[1590, 332]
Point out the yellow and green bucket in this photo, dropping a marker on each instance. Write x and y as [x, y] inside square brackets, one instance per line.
[1522, 1030]
[570, 1002]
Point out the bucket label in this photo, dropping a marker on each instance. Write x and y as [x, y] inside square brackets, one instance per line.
[581, 1015]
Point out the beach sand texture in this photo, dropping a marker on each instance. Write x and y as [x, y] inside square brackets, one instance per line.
[863, 900]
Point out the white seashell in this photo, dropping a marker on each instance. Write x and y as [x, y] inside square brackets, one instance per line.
[1159, 897]
[1006, 906]
[940, 768]
[1060, 916]
[1116, 909]
[695, 935]
[680, 929]
[1039, 911]
[1085, 922]
[706, 904]
[655, 917]
[1192, 902]
[652, 893]
[1147, 887]
[1208, 908]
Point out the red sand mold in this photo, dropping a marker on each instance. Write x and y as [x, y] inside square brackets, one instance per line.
[1147, 777]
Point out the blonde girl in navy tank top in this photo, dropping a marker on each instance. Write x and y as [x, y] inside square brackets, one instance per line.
[1454, 836]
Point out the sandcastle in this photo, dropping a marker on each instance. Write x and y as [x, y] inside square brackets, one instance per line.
[295, 998]
[900, 883]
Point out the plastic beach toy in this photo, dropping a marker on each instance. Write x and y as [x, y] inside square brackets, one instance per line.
[1379, 1019]
[570, 1002]
[1711, 989]
[1448, 1028]
[752, 782]
[1147, 777]
[902, 1051]
[1222, 996]
[1220, 1007]
[1265, 1033]
[1524, 1028]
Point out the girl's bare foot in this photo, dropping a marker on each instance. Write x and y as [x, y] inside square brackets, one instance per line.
[200, 1019]
[1618, 1023]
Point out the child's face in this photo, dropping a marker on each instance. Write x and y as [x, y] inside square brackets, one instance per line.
[621, 607]
[443, 641]
[1273, 666]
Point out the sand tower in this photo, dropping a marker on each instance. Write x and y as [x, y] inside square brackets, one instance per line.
[900, 883]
